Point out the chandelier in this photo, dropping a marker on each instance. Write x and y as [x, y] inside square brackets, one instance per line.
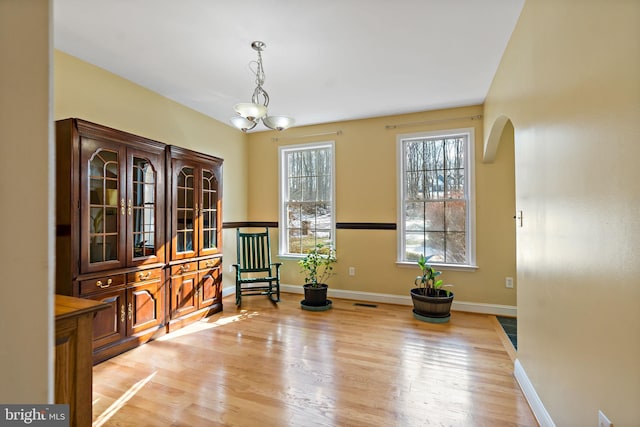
[250, 113]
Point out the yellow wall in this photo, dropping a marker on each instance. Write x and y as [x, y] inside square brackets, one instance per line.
[570, 83]
[27, 214]
[85, 91]
[366, 191]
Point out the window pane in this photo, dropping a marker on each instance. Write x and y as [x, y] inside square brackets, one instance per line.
[414, 216]
[435, 184]
[414, 156]
[324, 188]
[293, 215]
[414, 245]
[323, 216]
[456, 216]
[308, 215]
[434, 216]
[456, 243]
[309, 189]
[455, 184]
[295, 241]
[324, 237]
[414, 186]
[434, 245]
[295, 189]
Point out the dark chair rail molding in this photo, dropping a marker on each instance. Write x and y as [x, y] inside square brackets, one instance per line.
[250, 224]
[366, 226]
[339, 225]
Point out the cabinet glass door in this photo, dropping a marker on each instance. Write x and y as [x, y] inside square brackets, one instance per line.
[103, 209]
[185, 204]
[142, 207]
[209, 212]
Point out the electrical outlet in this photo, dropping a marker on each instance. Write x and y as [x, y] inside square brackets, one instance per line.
[603, 421]
[508, 282]
[231, 268]
[352, 271]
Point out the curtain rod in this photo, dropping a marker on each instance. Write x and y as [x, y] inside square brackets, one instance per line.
[428, 122]
[335, 132]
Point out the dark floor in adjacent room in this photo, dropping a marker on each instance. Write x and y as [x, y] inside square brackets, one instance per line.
[510, 326]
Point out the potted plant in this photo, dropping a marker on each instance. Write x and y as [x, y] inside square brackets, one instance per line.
[431, 303]
[317, 266]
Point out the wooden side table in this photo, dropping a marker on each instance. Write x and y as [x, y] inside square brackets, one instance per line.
[73, 360]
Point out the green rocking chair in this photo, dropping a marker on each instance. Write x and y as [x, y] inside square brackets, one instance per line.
[255, 273]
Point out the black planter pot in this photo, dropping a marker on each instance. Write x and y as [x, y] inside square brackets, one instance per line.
[435, 307]
[315, 298]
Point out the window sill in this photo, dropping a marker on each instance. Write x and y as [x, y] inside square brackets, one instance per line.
[290, 256]
[447, 267]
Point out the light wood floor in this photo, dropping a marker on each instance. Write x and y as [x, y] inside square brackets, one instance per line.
[268, 365]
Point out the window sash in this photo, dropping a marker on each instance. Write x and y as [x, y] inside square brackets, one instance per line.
[436, 214]
[307, 211]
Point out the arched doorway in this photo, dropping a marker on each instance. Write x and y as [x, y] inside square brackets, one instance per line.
[500, 149]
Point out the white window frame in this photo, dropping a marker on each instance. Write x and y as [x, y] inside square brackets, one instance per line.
[283, 246]
[469, 188]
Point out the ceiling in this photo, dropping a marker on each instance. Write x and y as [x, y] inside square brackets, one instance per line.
[325, 60]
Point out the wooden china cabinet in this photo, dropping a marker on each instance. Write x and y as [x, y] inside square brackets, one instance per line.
[194, 212]
[139, 227]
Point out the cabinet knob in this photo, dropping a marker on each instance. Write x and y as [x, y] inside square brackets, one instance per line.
[184, 267]
[144, 275]
[122, 207]
[130, 310]
[122, 313]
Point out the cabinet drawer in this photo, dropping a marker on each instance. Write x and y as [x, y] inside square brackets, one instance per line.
[100, 284]
[209, 263]
[187, 267]
[144, 276]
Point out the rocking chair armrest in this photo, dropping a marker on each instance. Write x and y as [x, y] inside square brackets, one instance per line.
[276, 265]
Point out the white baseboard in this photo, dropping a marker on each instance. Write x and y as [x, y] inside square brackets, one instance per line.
[473, 307]
[538, 409]
[476, 307]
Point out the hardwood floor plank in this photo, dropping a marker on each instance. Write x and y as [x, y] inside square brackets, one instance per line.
[278, 365]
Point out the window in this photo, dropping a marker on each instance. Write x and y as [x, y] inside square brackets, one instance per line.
[306, 197]
[436, 197]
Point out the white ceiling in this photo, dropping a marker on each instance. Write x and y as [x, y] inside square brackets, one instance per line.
[325, 61]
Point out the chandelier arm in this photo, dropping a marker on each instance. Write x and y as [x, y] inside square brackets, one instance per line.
[255, 98]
